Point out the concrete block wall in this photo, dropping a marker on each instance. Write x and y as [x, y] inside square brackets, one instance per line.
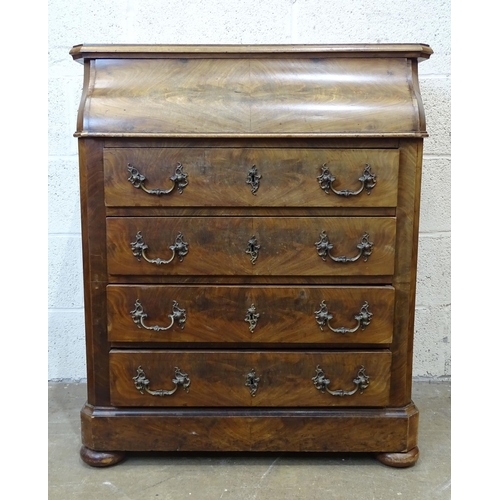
[245, 22]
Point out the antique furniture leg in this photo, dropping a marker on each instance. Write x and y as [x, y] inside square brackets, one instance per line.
[399, 460]
[101, 458]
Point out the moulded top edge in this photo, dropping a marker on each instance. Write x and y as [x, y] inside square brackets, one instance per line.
[99, 51]
[346, 135]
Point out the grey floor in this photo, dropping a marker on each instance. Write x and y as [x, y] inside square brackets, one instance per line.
[249, 476]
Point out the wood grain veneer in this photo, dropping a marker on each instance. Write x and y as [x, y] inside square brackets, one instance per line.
[218, 377]
[217, 245]
[217, 176]
[217, 314]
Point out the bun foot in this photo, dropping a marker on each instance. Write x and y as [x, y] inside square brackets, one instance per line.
[405, 459]
[101, 458]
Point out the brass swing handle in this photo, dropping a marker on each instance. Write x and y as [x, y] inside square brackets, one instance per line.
[179, 248]
[179, 179]
[178, 314]
[323, 247]
[367, 179]
[361, 382]
[142, 383]
[363, 318]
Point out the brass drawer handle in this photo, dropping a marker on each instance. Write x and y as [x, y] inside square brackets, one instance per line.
[178, 314]
[367, 179]
[253, 178]
[253, 249]
[179, 179]
[252, 382]
[323, 246]
[363, 318]
[179, 248]
[361, 382]
[142, 383]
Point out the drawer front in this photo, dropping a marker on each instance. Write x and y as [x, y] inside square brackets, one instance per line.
[263, 246]
[261, 177]
[230, 378]
[203, 314]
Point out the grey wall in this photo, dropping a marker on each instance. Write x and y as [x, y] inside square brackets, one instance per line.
[245, 22]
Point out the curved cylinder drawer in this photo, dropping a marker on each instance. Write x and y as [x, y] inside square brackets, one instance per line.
[249, 378]
[245, 314]
[260, 246]
[242, 177]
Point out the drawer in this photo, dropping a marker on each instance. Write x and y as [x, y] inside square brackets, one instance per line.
[249, 378]
[261, 246]
[260, 177]
[284, 314]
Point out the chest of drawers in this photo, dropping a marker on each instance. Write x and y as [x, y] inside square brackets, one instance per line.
[249, 228]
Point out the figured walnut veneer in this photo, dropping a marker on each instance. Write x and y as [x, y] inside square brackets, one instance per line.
[215, 314]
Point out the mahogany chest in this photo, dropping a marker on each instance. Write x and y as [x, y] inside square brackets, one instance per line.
[250, 232]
